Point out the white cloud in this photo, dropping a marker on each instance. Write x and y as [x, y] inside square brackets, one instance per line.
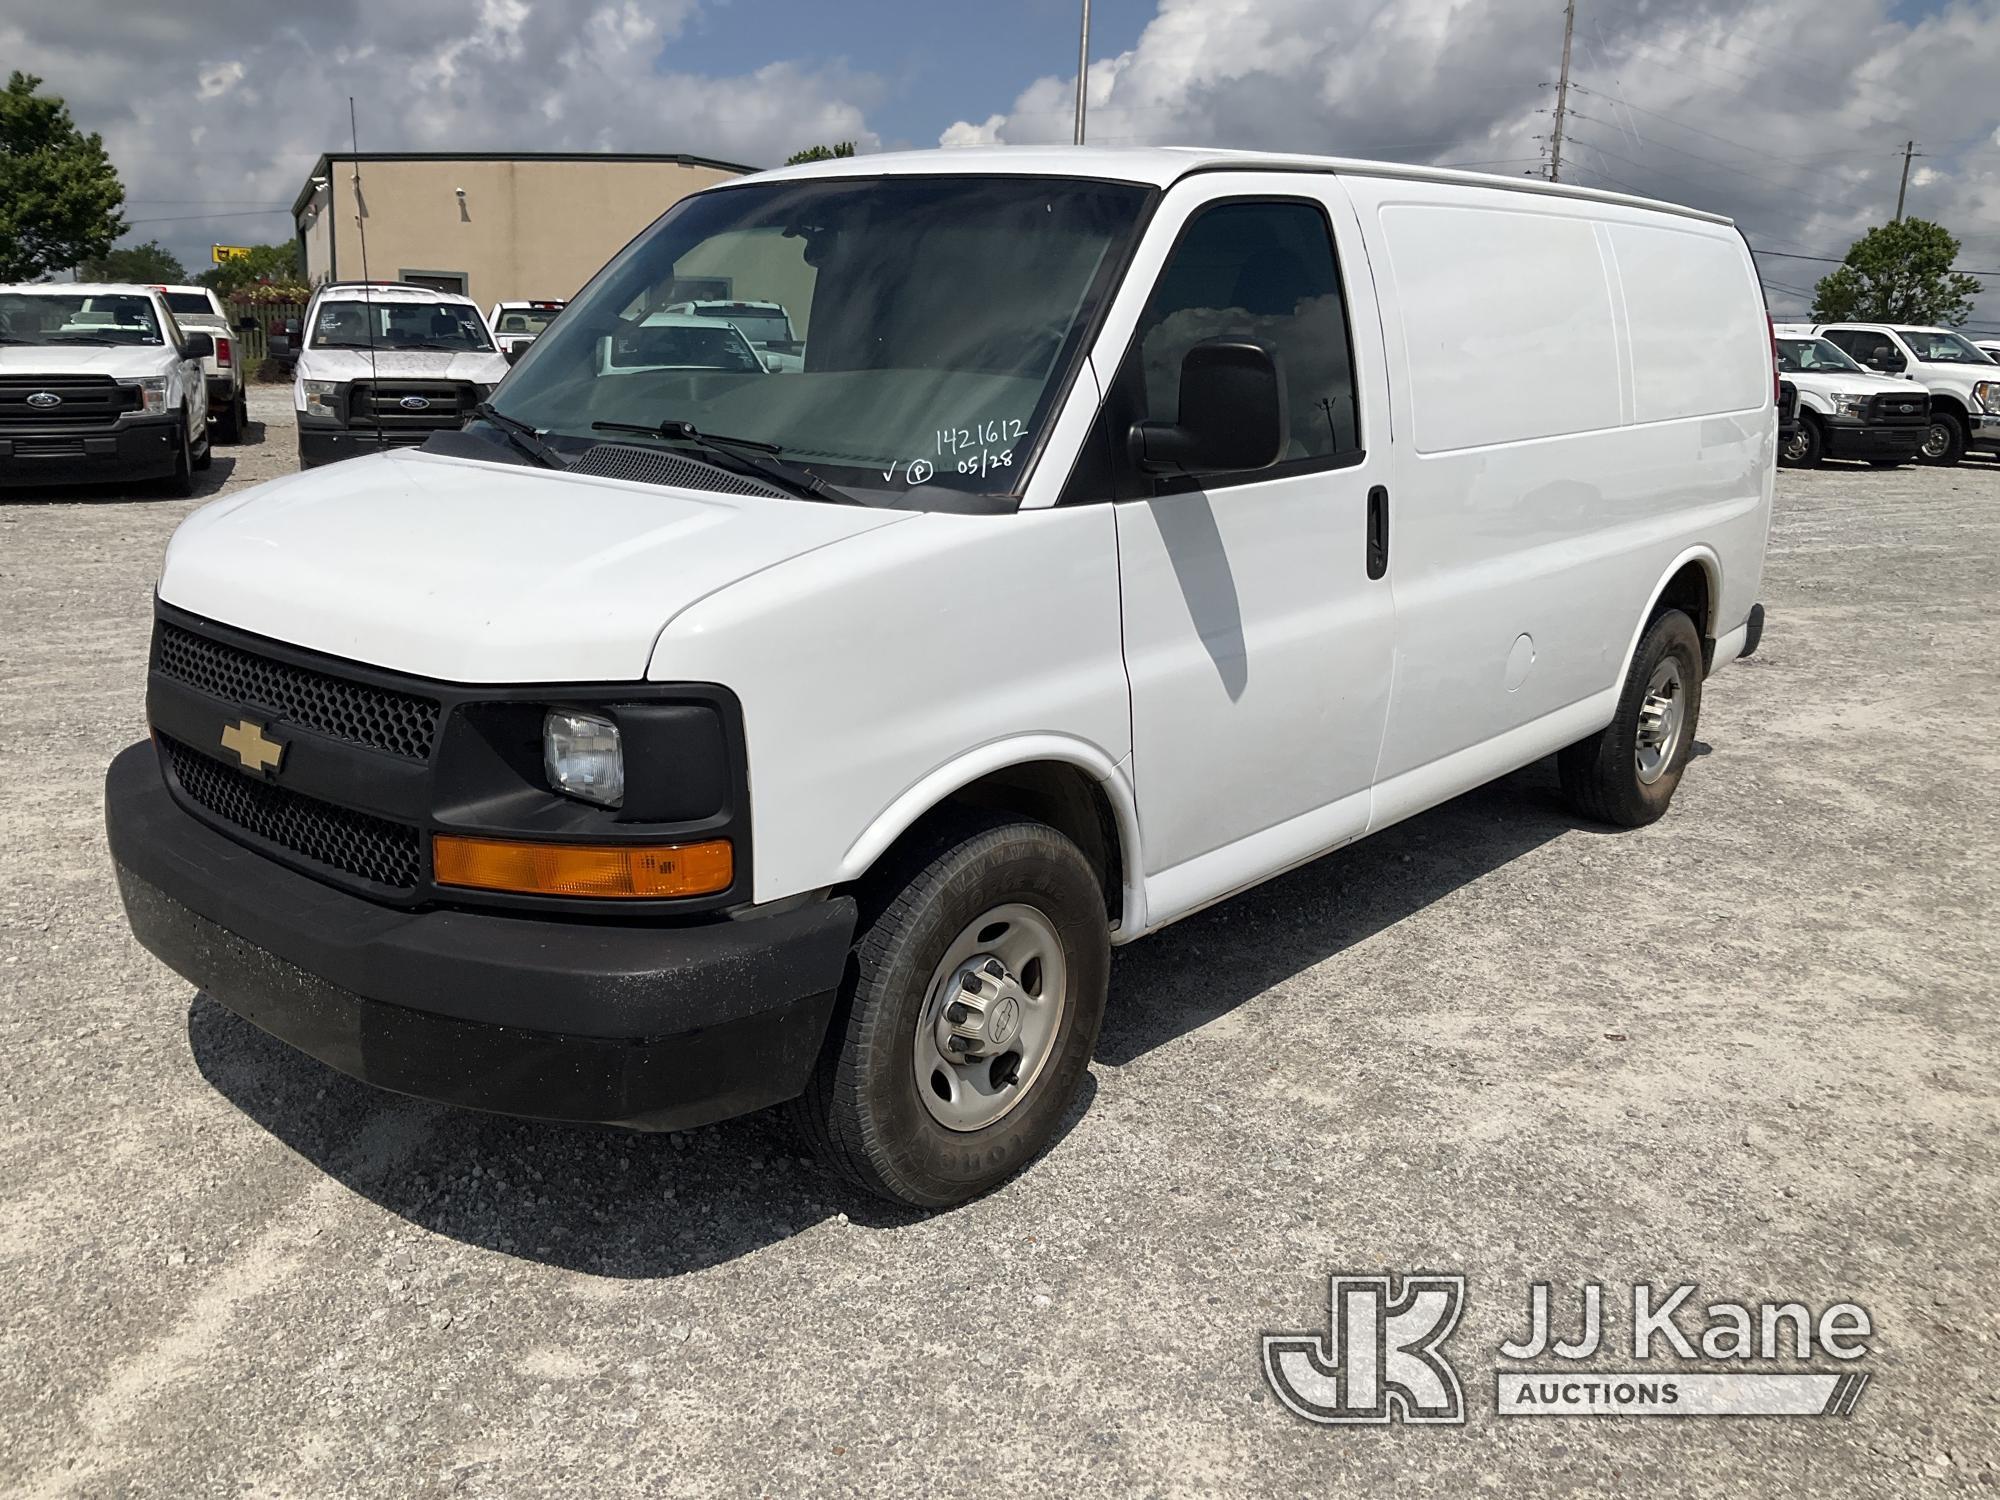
[1788, 115]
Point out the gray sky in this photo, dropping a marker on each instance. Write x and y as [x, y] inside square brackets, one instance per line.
[1789, 115]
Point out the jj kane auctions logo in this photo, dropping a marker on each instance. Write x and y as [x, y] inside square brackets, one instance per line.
[1382, 1357]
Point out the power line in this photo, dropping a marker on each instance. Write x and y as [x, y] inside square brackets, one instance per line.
[250, 213]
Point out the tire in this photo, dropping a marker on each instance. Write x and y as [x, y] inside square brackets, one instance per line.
[206, 454]
[1806, 447]
[229, 426]
[1944, 444]
[180, 483]
[884, 1108]
[1626, 773]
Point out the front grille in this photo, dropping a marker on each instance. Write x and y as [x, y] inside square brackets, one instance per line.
[49, 447]
[1897, 409]
[401, 724]
[372, 404]
[654, 466]
[370, 848]
[81, 400]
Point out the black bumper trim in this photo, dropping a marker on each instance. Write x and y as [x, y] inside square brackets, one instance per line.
[134, 448]
[647, 1026]
[1848, 441]
[326, 445]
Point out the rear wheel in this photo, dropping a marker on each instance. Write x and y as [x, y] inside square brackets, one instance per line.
[1806, 446]
[229, 426]
[1626, 773]
[205, 454]
[1945, 442]
[971, 1010]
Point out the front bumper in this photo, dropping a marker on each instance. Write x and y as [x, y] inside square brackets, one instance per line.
[647, 1026]
[134, 448]
[1862, 440]
[1985, 432]
[325, 445]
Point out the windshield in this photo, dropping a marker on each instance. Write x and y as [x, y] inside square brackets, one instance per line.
[399, 325]
[1809, 356]
[525, 321]
[933, 322]
[1941, 348]
[101, 318]
[190, 302]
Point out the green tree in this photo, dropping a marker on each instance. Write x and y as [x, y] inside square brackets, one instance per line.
[1897, 273]
[821, 153]
[59, 193]
[151, 262]
[277, 264]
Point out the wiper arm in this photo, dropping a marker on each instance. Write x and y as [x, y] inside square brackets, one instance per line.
[70, 338]
[521, 435]
[442, 348]
[757, 456]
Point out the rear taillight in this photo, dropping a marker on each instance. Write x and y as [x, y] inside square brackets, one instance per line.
[221, 351]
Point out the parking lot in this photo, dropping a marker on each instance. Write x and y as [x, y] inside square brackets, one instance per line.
[1752, 1047]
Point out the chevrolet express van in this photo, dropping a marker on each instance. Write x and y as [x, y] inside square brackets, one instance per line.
[676, 741]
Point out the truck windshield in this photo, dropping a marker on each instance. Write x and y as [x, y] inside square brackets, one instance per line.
[1810, 356]
[1941, 348]
[524, 320]
[932, 324]
[100, 318]
[398, 325]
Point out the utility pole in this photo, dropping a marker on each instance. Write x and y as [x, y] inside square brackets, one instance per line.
[1562, 96]
[1082, 71]
[1903, 187]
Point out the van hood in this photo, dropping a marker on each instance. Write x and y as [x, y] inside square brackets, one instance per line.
[478, 572]
[127, 362]
[483, 367]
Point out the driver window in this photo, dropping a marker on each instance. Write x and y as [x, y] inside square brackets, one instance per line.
[1264, 271]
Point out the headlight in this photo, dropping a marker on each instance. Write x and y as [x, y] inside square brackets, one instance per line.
[1987, 394]
[1850, 406]
[581, 757]
[322, 397]
[153, 393]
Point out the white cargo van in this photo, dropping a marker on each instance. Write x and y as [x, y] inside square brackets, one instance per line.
[678, 740]
[386, 365]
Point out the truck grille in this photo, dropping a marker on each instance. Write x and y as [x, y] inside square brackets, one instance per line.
[400, 724]
[355, 843]
[446, 404]
[1900, 409]
[81, 400]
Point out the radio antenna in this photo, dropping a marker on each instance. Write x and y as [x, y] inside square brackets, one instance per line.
[368, 286]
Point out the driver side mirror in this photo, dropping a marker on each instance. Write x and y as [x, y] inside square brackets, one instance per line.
[199, 345]
[514, 351]
[1885, 357]
[1232, 414]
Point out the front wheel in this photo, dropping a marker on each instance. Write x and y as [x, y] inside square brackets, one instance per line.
[1805, 447]
[969, 1016]
[1944, 444]
[180, 483]
[1626, 773]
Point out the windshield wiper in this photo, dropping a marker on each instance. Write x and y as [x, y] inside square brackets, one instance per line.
[521, 435]
[754, 454]
[445, 348]
[70, 338]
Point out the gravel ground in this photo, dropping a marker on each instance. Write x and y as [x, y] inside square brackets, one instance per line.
[1752, 1047]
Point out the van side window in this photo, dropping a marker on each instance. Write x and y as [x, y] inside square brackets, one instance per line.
[1261, 270]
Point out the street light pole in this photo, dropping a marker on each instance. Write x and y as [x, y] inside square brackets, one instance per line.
[1082, 71]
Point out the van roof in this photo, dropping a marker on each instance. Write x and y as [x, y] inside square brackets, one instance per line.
[1162, 166]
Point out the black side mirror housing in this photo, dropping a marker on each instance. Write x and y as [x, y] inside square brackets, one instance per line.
[514, 351]
[246, 325]
[1232, 414]
[199, 345]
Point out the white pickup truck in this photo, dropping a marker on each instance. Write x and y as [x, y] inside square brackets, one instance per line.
[99, 383]
[228, 406]
[1964, 384]
[686, 736]
[1845, 411]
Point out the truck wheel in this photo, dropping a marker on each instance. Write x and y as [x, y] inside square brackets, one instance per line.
[229, 426]
[970, 1012]
[1626, 773]
[1944, 444]
[1805, 447]
[180, 483]
[205, 454]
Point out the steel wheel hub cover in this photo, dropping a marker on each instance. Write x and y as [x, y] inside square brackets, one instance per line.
[990, 1017]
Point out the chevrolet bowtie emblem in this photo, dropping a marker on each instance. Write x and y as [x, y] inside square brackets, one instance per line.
[246, 740]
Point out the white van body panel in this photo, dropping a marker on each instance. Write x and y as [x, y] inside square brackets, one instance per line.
[479, 572]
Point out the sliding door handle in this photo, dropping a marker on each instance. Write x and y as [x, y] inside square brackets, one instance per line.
[1378, 531]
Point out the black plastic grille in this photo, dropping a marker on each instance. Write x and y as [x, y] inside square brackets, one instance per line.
[446, 403]
[80, 400]
[399, 723]
[374, 849]
[654, 466]
[1901, 409]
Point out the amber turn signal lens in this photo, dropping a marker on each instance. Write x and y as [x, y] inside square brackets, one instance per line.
[631, 872]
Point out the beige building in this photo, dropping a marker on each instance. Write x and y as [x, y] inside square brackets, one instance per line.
[495, 227]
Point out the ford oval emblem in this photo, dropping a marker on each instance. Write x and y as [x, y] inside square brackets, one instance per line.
[44, 398]
[414, 403]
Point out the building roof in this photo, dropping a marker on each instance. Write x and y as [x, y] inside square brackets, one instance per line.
[323, 166]
[1163, 165]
